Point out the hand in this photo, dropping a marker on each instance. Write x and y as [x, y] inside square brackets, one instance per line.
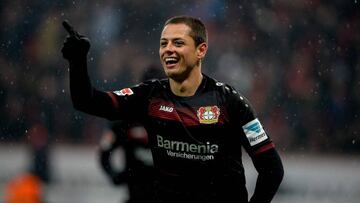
[76, 47]
[120, 178]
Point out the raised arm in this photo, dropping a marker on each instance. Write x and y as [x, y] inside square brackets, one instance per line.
[84, 96]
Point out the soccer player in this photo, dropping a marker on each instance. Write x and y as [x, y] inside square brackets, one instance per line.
[197, 125]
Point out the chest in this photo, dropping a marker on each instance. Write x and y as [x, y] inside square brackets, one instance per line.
[198, 119]
[205, 109]
[190, 131]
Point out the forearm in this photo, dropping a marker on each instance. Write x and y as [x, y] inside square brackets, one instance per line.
[81, 89]
[271, 172]
[84, 96]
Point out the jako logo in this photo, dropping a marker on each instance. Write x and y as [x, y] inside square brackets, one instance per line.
[166, 108]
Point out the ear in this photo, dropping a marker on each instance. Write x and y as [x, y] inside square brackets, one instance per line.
[201, 50]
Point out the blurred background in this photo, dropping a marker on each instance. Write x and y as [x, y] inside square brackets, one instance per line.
[297, 61]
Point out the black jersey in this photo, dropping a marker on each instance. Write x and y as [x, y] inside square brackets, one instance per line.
[196, 141]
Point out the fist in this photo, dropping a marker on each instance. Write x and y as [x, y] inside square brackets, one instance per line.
[75, 47]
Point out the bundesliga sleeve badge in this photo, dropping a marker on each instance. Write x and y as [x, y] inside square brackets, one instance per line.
[208, 114]
[123, 92]
[254, 132]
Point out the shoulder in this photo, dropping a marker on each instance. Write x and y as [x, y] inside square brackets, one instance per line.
[149, 84]
[150, 87]
[229, 93]
[141, 89]
[152, 82]
[223, 88]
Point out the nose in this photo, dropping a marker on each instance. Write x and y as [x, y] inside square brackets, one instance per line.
[169, 47]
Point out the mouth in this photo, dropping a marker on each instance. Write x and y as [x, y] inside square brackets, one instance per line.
[171, 62]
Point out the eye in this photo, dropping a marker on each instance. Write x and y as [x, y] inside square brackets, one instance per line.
[163, 44]
[178, 43]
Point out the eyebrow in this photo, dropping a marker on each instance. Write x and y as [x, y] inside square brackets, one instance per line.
[177, 38]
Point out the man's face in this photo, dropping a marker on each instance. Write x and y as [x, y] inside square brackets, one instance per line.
[178, 54]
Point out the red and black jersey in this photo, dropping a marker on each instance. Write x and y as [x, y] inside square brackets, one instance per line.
[196, 141]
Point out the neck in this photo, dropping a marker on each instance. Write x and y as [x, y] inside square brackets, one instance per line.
[187, 87]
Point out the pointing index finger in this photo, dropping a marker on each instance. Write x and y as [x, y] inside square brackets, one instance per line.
[69, 28]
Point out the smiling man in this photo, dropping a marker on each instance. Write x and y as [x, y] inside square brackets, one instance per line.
[197, 126]
[181, 51]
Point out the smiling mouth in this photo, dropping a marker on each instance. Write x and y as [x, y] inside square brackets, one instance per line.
[171, 61]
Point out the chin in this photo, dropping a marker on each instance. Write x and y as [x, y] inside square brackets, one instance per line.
[176, 76]
[170, 74]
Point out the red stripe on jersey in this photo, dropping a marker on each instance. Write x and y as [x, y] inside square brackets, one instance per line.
[188, 116]
[113, 99]
[163, 109]
[264, 148]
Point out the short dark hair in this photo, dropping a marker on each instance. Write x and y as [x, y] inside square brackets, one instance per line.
[198, 30]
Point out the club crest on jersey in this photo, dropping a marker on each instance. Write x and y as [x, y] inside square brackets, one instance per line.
[123, 92]
[208, 114]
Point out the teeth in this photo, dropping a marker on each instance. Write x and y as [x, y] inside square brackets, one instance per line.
[170, 59]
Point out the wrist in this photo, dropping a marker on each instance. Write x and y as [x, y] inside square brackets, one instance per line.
[78, 60]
